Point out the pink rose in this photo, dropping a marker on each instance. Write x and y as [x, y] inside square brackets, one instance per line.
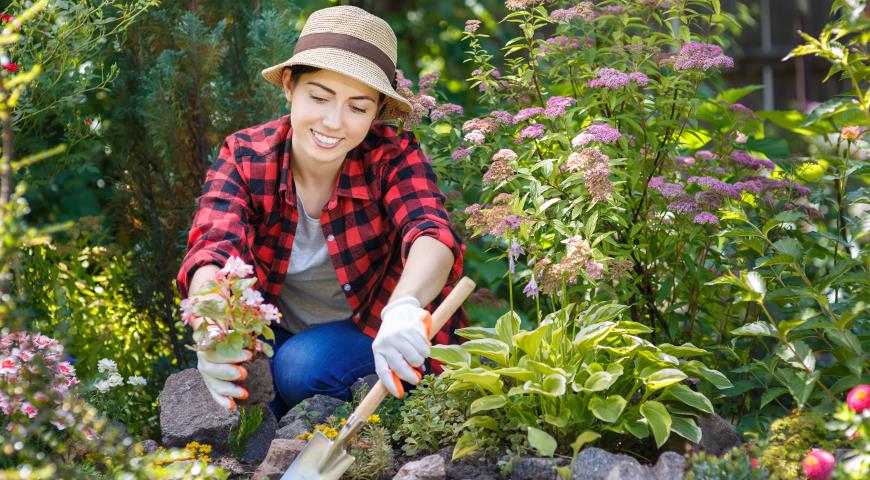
[819, 464]
[859, 398]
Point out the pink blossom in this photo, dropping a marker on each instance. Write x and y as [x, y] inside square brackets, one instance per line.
[745, 160]
[475, 137]
[23, 354]
[66, 368]
[668, 190]
[597, 132]
[610, 78]
[471, 26]
[28, 409]
[594, 270]
[556, 106]
[527, 113]
[639, 78]
[741, 109]
[8, 365]
[498, 172]
[559, 42]
[705, 155]
[819, 464]
[270, 312]
[505, 154]
[251, 297]
[740, 138]
[701, 56]
[446, 109]
[461, 153]
[535, 130]
[583, 10]
[858, 398]
[514, 5]
[852, 133]
[187, 305]
[502, 117]
[706, 217]
[531, 289]
[722, 188]
[236, 267]
[427, 82]
[684, 205]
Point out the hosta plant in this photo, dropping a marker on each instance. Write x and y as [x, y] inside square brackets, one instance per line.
[582, 374]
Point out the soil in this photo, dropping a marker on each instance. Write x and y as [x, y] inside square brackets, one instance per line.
[259, 382]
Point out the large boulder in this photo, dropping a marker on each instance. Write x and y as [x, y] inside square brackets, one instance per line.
[281, 454]
[432, 467]
[188, 413]
[313, 410]
[596, 464]
[292, 429]
[717, 434]
[535, 468]
[670, 466]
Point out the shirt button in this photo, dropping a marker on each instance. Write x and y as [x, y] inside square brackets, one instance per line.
[346, 287]
[330, 237]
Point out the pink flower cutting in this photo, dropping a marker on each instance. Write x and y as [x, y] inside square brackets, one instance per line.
[819, 464]
[859, 398]
[235, 266]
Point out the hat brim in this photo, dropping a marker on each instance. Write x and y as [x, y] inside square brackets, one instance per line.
[350, 64]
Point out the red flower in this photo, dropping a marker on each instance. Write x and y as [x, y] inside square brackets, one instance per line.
[819, 464]
[755, 463]
[859, 398]
[88, 122]
[6, 18]
[11, 67]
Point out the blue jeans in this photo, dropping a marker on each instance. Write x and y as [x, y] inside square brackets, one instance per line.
[326, 359]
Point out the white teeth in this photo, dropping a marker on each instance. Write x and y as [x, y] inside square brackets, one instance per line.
[326, 140]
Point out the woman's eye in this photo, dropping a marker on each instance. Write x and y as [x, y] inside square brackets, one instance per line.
[318, 99]
[358, 110]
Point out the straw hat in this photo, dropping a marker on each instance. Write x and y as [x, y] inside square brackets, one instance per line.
[353, 42]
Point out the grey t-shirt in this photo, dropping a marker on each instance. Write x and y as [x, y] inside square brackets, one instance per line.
[311, 294]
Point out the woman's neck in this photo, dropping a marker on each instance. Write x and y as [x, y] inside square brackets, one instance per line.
[313, 174]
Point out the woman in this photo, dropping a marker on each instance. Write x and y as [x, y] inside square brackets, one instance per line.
[340, 215]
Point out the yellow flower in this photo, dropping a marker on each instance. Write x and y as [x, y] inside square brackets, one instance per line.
[374, 418]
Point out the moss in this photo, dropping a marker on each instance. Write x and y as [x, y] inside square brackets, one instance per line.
[789, 440]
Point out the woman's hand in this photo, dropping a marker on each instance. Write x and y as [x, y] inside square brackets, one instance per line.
[219, 371]
[402, 342]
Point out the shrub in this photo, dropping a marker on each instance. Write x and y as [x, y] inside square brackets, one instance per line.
[789, 440]
[736, 464]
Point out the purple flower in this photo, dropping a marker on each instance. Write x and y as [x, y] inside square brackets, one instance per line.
[514, 253]
[471, 26]
[706, 218]
[475, 137]
[531, 289]
[750, 162]
[583, 10]
[741, 109]
[722, 188]
[498, 172]
[684, 205]
[608, 78]
[594, 270]
[559, 42]
[535, 130]
[428, 81]
[484, 125]
[556, 106]
[444, 110]
[705, 155]
[461, 153]
[668, 190]
[514, 5]
[639, 78]
[701, 56]
[505, 154]
[597, 132]
[502, 117]
[527, 113]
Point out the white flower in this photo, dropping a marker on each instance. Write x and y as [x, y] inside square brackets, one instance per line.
[741, 137]
[235, 266]
[103, 386]
[252, 297]
[107, 366]
[115, 380]
[136, 380]
[270, 312]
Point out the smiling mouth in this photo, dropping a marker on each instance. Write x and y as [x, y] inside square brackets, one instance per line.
[324, 140]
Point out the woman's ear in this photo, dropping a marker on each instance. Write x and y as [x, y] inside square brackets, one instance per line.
[287, 83]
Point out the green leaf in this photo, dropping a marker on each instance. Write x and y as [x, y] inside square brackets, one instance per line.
[788, 246]
[799, 384]
[507, 326]
[530, 341]
[686, 428]
[691, 398]
[484, 421]
[482, 378]
[664, 377]
[472, 333]
[554, 385]
[633, 328]
[770, 395]
[495, 350]
[607, 410]
[715, 377]
[452, 355]
[587, 436]
[756, 329]
[732, 95]
[489, 402]
[599, 381]
[519, 373]
[659, 420]
[592, 334]
[466, 444]
[542, 441]
[798, 354]
[685, 350]
[775, 148]
[638, 428]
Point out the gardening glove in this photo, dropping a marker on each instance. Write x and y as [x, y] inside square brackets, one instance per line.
[402, 343]
[219, 371]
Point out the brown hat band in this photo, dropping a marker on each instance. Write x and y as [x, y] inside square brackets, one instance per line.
[351, 44]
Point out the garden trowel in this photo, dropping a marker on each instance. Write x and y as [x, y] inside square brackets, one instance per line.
[325, 459]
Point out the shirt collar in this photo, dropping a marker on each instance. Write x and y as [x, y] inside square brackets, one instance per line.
[351, 181]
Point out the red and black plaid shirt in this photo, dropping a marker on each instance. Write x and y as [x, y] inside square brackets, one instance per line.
[385, 198]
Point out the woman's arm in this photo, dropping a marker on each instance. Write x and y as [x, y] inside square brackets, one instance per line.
[426, 270]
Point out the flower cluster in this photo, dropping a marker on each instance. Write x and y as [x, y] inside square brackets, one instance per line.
[495, 220]
[583, 10]
[701, 56]
[445, 110]
[577, 259]
[743, 159]
[514, 5]
[595, 166]
[114, 379]
[27, 359]
[559, 42]
[556, 106]
[471, 26]
[612, 78]
[597, 132]
[229, 307]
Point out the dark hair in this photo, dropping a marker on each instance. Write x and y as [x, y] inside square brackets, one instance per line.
[297, 71]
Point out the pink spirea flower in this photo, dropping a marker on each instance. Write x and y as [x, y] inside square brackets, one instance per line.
[535, 130]
[559, 42]
[502, 117]
[684, 205]
[484, 125]
[819, 464]
[461, 153]
[705, 155]
[706, 218]
[514, 5]
[583, 11]
[639, 78]
[556, 106]
[428, 81]
[701, 56]
[236, 267]
[527, 113]
[594, 270]
[505, 154]
[444, 110]
[722, 188]
[597, 132]
[742, 109]
[475, 137]
[745, 160]
[595, 166]
[668, 190]
[471, 26]
[498, 172]
[608, 78]
[858, 398]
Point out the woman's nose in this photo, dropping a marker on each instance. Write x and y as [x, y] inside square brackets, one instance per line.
[332, 117]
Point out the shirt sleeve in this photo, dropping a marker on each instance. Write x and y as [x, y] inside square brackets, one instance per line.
[415, 204]
[220, 228]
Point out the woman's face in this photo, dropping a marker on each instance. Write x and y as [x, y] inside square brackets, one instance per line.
[331, 114]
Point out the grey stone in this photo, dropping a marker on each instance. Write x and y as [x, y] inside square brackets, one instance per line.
[235, 468]
[259, 384]
[313, 410]
[281, 454]
[366, 383]
[534, 468]
[427, 468]
[188, 413]
[670, 466]
[717, 434]
[257, 445]
[596, 464]
[146, 447]
[292, 430]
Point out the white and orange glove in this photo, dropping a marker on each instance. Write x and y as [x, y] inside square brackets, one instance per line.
[402, 344]
[219, 372]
